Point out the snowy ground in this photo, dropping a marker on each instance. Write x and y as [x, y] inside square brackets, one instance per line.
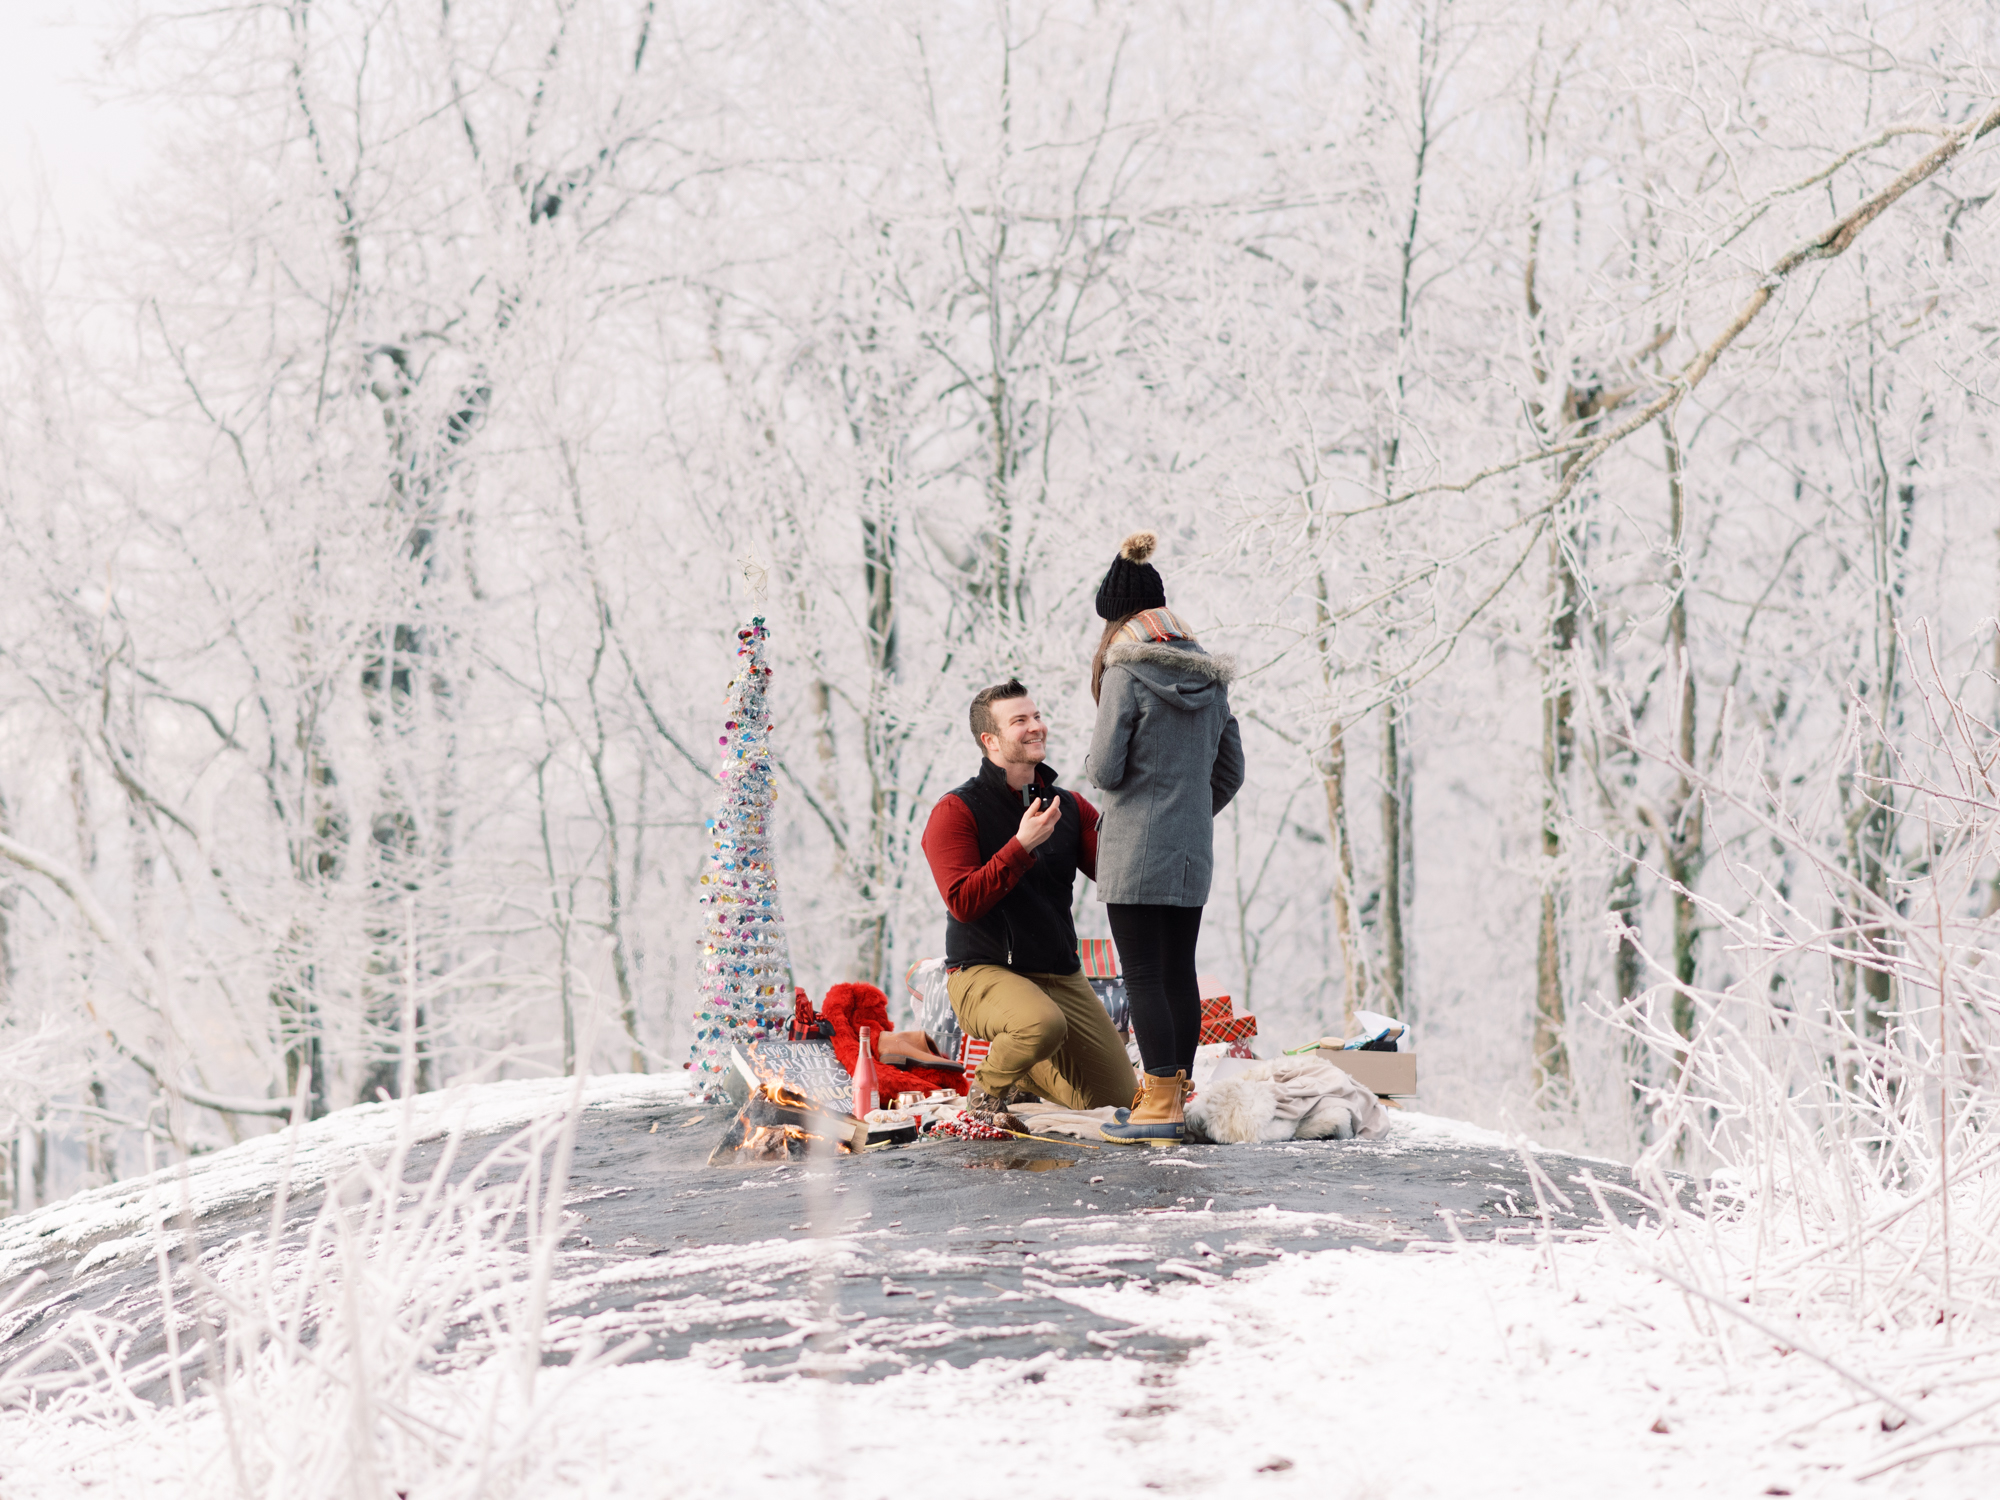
[1444, 1370]
[109, 1220]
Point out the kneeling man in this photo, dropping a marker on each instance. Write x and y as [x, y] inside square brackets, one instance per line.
[1005, 848]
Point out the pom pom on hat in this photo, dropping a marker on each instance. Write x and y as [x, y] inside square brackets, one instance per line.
[1132, 583]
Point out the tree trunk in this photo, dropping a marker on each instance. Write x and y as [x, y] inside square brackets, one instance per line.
[561, 914]
[1628, 976]
[1333, 777]
[1397, 855]
[1395, 826]
[1551, 1051]
[1684, 830]
[411, 702]
[1873, 819]
[319, 850]
[100, 1146]
[1354, 969]
[635, 886]
[614, 898]
[882, 743]
[293, 997]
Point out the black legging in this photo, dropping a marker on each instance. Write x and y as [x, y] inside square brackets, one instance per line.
[1156, 951]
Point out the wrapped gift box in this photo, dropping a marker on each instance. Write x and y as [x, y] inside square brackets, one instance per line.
[1216, 1008]
[972, 1052]
[1229, 1029]
[1100, 958]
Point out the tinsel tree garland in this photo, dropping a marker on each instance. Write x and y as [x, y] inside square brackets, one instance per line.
[746, 969]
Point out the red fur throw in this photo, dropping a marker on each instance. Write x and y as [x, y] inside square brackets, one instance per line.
[849, 1007]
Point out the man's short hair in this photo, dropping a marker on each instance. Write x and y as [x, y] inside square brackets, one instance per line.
[982, 707]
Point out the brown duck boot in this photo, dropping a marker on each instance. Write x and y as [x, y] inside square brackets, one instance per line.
[1159, 1118]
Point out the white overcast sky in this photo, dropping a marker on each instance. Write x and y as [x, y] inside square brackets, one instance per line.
[49, 49]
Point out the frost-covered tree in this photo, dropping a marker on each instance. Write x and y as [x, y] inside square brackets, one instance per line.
[1561, 413]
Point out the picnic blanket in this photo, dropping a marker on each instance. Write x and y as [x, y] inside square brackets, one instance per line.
[1053, 1119]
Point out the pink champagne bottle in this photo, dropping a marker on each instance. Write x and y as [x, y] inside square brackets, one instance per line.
[865, 1083]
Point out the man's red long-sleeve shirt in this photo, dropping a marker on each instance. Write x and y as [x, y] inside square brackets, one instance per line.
[971, 886]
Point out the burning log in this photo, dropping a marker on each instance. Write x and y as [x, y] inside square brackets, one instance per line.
[777, 1124]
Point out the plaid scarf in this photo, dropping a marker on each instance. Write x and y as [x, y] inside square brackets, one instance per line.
[1160, 624]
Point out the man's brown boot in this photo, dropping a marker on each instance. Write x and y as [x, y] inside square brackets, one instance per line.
[989, 1109]
[1159, 1118]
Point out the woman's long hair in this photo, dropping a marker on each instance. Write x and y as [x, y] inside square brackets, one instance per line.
[1111, 630]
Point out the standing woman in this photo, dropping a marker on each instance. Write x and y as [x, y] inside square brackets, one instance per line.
[1168, 756]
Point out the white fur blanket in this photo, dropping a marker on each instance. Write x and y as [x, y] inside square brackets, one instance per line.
[1303, 1098]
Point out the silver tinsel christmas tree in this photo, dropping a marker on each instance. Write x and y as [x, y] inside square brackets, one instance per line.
[746, 982]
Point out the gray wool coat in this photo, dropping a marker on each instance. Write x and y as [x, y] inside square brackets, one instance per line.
[1168, 757]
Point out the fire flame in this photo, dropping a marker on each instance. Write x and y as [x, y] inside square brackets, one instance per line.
[775, 1143]
[766, 1140]
[777, 1093]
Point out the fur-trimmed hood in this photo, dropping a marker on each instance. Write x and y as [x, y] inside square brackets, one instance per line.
[1185, 656]
[1178, 671]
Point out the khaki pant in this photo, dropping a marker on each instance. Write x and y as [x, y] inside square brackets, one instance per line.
[1049, 1030]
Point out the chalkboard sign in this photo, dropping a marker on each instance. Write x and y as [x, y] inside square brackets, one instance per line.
[810, 1068]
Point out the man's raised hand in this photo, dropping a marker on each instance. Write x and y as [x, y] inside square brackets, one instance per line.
[1039, 821]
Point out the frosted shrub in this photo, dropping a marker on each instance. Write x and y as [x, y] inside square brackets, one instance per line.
[1834, 1096]
[391, 1343]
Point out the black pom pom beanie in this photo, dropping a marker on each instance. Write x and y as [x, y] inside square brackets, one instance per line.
[1132, 584]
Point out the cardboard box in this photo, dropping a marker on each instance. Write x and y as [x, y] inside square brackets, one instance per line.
[1391, 1075]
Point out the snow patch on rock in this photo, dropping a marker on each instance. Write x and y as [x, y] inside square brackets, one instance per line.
[101, 1224]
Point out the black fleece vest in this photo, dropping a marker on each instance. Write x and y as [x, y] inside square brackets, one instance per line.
[1029, 929]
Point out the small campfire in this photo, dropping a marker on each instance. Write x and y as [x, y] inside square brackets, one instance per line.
[779, 1124]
